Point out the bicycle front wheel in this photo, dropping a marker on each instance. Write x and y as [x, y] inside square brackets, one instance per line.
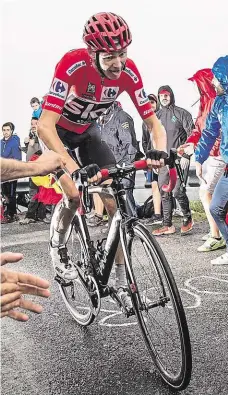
[76, 294]
[158, 308]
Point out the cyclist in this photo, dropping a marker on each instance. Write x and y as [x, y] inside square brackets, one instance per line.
[85, 84]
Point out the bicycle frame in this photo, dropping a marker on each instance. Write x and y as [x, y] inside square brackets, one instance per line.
[115, 233]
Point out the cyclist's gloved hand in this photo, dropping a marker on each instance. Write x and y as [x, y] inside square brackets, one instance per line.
[90, 173]
[156, 158]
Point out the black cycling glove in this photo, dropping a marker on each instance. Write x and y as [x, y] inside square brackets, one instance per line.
[86, 172]
[154, 154]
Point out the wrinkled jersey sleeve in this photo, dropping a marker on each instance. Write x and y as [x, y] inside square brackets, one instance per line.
[209, 134]
[134, 87]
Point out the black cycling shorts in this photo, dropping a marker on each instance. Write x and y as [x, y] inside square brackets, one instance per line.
[87, 148]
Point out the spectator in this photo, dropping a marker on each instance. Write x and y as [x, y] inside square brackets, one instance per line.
[117, 130]
[152, 176]
[10, 149]
[36, 106]
[215, 164]
[178, 124]
[36, 210]
[217, 120]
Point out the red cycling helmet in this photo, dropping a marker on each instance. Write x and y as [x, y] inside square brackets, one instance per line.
[106, 32]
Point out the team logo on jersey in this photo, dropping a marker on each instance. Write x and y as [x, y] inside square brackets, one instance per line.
[59, 89]
[141, 97]
[75, 67]
[91, 88]
[131, 74]
[109, 93]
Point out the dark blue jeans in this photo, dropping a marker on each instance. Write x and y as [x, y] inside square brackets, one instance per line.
[219, 206]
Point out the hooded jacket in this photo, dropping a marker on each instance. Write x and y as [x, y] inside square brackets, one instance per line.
[146, 136]
[117, 130]
[177, 121]
[203, 79]
[10, 149]
[217, 118]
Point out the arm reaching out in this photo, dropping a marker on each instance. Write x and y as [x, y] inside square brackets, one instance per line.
[12, 169]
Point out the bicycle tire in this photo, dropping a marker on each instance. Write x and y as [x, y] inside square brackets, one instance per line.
[180, 380]
[77, 311]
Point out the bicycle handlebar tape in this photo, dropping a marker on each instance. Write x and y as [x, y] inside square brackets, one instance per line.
[104, 173]
[172, 181]
[140, 165]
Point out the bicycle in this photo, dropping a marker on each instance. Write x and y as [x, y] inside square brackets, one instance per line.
[151, 285]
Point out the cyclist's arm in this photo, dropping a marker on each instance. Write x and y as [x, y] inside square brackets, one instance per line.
[53, 106]
[46, 130]
[159, 139]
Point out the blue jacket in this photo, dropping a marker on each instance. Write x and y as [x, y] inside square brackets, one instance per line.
[10, 149]
[217, 118]
[37, 113]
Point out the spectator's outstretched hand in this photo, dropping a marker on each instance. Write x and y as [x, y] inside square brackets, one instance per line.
[187, 148]
[49, 162]
[14, 285]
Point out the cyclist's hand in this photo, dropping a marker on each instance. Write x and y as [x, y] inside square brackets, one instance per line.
[187, 148]
[155, 158]
[92, 173]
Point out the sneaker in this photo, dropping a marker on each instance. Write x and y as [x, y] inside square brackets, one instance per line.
[27, 221]
[221, 260]
[46, 220]
[187, 225]
[9, 218]
[212, 244]
[164, 230]
[205, 237]
[125, 298]
[62, 263]
[156, 219]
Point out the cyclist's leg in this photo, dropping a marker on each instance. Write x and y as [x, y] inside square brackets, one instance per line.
[61, 220]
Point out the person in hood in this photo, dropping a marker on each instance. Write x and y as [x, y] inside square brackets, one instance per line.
[10, 149]
[215, 165]
[118, 132]
[217, 120]
[151, 175]
[178, 124]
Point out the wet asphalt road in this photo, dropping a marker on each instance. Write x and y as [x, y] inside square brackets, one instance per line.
[51, 354]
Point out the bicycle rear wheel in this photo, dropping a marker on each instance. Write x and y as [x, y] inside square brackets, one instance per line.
[77, 294]
[158, 308]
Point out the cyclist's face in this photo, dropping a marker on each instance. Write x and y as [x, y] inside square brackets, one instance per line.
[113, 63]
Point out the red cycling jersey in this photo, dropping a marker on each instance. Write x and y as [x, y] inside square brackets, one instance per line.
[80, 94]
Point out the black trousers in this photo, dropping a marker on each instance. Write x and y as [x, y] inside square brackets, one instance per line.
[167, 198]
[9, 192]
[36, 210]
